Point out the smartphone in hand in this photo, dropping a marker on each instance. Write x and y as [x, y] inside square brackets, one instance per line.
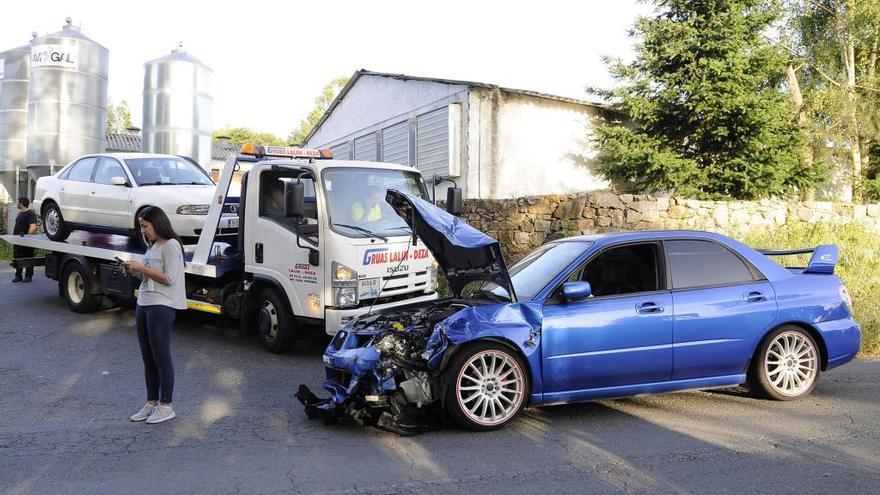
[119, 261]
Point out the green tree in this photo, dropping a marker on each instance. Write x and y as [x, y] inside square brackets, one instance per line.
[242, 135]
[118, 117]
[836, 44]
[703, 106]
[298, 135]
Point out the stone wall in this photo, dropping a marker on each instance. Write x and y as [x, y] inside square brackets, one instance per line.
[524, 223]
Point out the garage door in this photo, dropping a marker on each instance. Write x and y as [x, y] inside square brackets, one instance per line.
[340, 151]
[432, 143]
[395, 143]
[365, 148]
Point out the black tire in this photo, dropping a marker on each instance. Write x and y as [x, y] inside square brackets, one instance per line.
[786, 366]
[76, 289]
[465, 406]
[274, 322]
[54, 224]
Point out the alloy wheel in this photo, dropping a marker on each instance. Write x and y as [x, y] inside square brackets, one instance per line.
[490, 387]
[791, 363]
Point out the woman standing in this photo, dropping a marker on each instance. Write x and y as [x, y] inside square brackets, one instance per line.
[161, 294]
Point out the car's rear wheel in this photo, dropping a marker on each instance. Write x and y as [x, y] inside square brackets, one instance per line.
[786, 365]
[53, 223]
[274, 322]
[486, 386]
[76, 288]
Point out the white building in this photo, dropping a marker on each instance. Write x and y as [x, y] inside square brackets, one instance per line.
[494, 142]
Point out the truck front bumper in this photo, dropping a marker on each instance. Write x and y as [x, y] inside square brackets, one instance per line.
[335, 318]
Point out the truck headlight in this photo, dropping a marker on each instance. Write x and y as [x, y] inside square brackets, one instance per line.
[345, 285]
[193, 210]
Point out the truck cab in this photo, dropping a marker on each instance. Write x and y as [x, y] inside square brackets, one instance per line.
[318, 235]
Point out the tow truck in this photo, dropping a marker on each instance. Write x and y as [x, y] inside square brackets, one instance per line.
[302, 255]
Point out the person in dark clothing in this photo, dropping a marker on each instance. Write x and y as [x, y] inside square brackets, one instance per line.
[25, 224]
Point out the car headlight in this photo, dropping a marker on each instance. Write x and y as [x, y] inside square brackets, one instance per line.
[193, 210]
[345, 285]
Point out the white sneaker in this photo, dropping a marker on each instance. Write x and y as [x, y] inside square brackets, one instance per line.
[144, 413]
[160, 414]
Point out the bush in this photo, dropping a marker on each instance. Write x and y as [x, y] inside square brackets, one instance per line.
[859, 266]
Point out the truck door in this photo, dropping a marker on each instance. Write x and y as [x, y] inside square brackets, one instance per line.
[277, 247]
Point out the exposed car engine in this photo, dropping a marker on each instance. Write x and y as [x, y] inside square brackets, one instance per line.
[398, 389]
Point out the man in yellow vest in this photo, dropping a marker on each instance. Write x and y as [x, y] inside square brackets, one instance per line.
[368, 209]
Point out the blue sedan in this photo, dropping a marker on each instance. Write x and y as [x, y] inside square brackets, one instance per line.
[585, 318]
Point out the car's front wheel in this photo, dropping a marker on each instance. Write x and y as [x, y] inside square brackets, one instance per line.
[786, 365]
[53, 223]
[486, 386]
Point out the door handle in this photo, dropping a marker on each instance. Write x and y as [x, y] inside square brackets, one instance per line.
[258, 252]
[754, 296]
[648, 308]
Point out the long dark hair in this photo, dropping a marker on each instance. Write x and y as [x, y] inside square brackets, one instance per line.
[161, 225]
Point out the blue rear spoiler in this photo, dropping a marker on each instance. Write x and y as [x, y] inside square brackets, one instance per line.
[824, 259]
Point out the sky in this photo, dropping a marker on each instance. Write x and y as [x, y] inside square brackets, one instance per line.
[271, 59]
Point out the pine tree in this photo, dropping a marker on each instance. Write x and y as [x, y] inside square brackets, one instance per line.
[703, 106]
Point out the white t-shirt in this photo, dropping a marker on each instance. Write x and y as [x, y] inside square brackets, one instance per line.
[168, 259]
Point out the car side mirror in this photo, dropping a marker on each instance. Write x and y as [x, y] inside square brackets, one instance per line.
[453, 201]
[576, 291]
[118, 181]
[294, 199]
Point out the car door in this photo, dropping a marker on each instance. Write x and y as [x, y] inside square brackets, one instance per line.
[621, 336]
[108, 203]
[722, 304]
[74, 191]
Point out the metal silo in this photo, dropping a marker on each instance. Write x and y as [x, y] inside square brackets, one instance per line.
[177, 106]
[67, 99]
[14, 76]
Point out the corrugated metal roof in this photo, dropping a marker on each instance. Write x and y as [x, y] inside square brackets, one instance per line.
[131, 143]
[473, 84]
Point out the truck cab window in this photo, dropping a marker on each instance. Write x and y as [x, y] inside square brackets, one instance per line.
[272, 203]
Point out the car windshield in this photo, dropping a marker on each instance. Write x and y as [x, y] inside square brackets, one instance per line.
[356, 200]
[538, 268]
[166, 171]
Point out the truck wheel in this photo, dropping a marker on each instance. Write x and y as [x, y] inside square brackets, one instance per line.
[274, 322]
[76, 289]
[486, 386]
[53, 223]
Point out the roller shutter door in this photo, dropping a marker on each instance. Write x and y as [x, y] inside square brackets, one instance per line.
[432, 143]
[365, 148]
[395, 143]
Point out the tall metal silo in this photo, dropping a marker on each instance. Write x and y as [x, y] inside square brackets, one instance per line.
[14, 77]
[178, 106]
[67, 99]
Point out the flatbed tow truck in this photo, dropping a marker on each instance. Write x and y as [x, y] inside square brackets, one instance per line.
[299, 258]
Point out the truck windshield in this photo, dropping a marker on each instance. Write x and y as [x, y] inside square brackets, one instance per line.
[356, 200]
[159, 171]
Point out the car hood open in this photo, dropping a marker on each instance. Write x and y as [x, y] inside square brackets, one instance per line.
[464, 253]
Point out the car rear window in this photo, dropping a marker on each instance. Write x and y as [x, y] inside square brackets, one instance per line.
[703, 263]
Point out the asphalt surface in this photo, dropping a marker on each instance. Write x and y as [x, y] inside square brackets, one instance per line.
[68, 383]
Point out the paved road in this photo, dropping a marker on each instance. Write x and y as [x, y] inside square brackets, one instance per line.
[68, 383]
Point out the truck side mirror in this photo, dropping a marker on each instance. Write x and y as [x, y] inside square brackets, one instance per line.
[314, 257]
[294, 199]
[453, 201]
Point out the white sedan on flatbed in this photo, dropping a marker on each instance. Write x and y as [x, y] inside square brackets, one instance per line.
[105, 193]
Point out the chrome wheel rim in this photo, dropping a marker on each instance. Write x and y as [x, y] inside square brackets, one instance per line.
[791, 364]
[75, 288]
[268, 320]
[53, 221]
[490, 387]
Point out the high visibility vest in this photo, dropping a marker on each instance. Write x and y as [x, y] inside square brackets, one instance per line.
[358, 209]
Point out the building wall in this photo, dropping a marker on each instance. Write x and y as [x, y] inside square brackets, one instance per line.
[520, 145]
[375, 102]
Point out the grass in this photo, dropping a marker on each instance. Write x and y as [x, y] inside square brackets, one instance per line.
[5, 251]
[859, 266]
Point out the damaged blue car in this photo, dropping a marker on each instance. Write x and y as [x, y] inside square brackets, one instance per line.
[584, 318]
